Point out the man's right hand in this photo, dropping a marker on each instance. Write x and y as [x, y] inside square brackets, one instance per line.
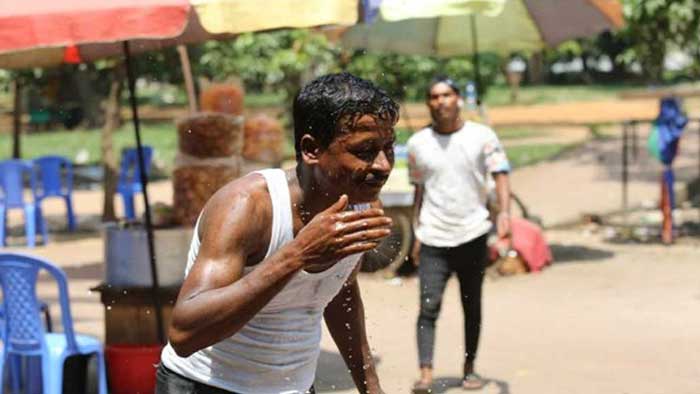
[415, 252]
[336, 233]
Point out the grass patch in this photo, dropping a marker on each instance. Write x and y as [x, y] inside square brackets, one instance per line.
[514, 133]
[68, 143]
[525, 155]
[402, 135]
[499, 95]
[163, 138]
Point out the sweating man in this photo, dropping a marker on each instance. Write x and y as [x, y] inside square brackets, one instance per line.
[275, 252]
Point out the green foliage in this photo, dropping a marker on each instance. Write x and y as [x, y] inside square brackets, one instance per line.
[405, 77]
[278, 62]
[163, 66]
[402, 76]
[656, 26]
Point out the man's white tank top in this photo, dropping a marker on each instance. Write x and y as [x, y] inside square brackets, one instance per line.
[277, 350]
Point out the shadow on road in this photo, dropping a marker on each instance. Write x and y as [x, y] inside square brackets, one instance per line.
[578, 253]
[332, 373]
[88, 226]
[493, 386]
[84, 271]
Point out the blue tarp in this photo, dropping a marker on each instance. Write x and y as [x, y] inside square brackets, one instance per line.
[663, 141]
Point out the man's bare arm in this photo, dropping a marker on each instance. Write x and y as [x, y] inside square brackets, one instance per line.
[503, 196]
[217, 300]
[417, 204]
[345, 319]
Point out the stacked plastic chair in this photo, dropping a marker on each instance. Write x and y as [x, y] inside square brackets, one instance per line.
[55, 180]
[129, 182]
[24, 334]
[12, 176]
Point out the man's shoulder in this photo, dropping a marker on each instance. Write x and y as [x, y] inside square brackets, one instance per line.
[244, 197]
[479, 131]
[419, 136]
[477, 127]
[250, 185]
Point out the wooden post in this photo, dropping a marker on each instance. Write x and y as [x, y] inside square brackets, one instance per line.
[666, 212]
[109, 159]
[475, 60]
[17, 119]
[625, 131]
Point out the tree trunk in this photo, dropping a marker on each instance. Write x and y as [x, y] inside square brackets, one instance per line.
[109, 160]
[89, 97]
[586, 71]
[536, 68]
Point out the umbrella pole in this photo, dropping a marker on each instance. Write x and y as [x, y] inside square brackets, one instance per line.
[17, 119]
[144, 183]
[475, 58]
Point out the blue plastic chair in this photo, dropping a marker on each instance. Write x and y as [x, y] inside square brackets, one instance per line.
[33, 369]
[24, 333]
[12, 175]
[129, 182]
[56, 180]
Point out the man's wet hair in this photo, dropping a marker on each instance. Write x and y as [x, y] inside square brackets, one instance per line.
[442, 79]
[333, 103]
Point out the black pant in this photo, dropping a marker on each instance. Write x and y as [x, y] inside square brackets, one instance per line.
[169, 382]
[435, 268]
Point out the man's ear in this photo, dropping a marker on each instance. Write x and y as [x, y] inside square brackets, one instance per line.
[309, 149]
[460, 103]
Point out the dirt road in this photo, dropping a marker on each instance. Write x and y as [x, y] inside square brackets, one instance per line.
[605, 318]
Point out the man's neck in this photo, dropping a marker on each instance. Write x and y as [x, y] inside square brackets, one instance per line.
[448, 127]
[310, 201]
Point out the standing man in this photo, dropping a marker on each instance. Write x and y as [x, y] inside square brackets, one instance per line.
[449, 163]
[276, 251]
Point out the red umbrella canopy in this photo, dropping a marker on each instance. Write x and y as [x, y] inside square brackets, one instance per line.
[50, 23]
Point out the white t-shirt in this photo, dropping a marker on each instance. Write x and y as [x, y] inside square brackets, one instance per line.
[454, 168]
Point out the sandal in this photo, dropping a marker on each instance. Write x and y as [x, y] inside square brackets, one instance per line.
[472, 381]
[422, 388]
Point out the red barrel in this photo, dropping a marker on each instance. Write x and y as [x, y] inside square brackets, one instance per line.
[131, 369]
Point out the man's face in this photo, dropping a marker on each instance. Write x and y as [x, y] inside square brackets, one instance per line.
[443, 103]
[358, 160]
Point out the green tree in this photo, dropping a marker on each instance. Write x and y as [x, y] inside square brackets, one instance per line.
[405, 77]
[656, 26]
[279, 61]
[402, 76]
